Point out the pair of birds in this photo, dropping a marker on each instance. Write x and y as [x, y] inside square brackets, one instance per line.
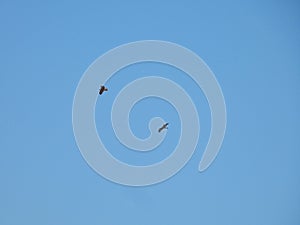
[103, 88]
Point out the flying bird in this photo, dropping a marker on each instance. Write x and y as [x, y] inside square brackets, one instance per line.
[102, 89]
[165, 126]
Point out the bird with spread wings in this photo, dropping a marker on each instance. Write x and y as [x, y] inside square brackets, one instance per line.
[165, 126]
[102, 89]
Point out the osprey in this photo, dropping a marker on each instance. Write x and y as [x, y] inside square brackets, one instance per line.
[165, 126]
[102, 89]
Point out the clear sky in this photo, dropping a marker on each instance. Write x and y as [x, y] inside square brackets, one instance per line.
[253, 48]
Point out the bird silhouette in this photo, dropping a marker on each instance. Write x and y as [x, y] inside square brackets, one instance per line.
[165, 126]
[102, 89]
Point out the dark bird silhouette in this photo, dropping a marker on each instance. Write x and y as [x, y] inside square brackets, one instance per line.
[165, 126]
[102, 89]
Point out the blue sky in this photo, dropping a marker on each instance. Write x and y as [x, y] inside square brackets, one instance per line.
[252, 47]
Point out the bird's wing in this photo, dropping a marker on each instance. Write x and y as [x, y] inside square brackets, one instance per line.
[101, 90]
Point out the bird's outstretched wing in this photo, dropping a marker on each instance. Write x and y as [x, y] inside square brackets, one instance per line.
[101, 90]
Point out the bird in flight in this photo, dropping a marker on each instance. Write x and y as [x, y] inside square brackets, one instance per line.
[102, 89]
[165, 126]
